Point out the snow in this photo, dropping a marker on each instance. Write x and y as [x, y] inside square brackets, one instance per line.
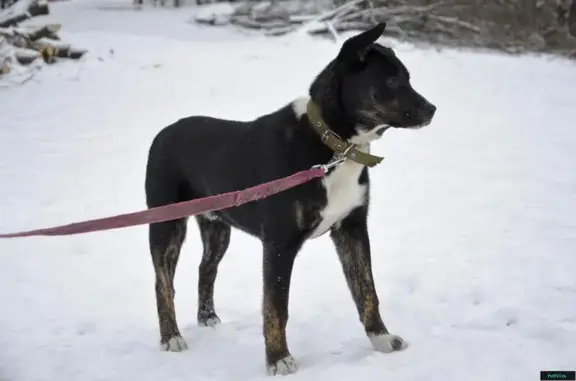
[473, 219]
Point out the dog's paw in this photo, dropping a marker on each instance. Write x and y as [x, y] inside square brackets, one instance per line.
[283, 367]
[388, 343]
[175, 344]
[208, 319]
[209, 322]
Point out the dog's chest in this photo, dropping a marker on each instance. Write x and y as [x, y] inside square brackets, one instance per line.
[343, 194]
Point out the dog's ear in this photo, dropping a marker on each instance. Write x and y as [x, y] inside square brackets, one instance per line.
[355, 48]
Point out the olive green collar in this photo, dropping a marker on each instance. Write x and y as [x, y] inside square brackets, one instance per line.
[341, 148]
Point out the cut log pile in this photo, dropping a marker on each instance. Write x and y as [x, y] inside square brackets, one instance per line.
[25, 46]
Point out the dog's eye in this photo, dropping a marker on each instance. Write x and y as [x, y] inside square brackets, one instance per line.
[392, 82]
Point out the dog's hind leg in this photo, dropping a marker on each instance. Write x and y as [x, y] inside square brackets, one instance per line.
[215, 238]
[166, 239]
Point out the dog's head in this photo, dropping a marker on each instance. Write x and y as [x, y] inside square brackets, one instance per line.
[367, 89]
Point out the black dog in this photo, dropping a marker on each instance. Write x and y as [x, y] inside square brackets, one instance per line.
[361, 93]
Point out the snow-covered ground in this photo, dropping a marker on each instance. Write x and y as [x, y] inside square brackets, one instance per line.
[473, 219]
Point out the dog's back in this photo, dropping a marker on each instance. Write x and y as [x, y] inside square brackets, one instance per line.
[201, 156]
[188, 154]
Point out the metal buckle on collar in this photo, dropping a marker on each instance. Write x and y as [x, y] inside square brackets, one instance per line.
[347, 147]
[325, 135]
[333, 163]
[337, 159]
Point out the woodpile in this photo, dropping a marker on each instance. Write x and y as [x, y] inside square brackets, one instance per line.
[24, 46]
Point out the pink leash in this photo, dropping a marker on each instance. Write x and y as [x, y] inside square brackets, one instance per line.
[181, 209]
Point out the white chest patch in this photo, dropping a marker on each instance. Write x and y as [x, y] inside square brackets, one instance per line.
[343, 194]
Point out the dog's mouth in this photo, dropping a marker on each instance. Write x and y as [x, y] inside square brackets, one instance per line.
[419, 126]
[409, 122]
[413, 120]
[381, 130]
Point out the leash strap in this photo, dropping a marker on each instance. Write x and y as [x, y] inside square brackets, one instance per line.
[179, 210]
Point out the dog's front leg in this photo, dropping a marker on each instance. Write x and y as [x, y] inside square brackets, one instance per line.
[278, 263]
[353, 246]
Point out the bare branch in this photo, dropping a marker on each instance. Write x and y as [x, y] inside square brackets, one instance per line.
[511, 26]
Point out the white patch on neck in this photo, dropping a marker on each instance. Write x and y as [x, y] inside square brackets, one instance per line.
[367, 137]
[299, 106]
[343, 194]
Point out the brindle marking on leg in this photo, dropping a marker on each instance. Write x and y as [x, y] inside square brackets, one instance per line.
[358, 275]
[278, 357]
[278, 264]
[353, 247]
[165, 262]
[166, 310]
[274, 332]
[215, 238]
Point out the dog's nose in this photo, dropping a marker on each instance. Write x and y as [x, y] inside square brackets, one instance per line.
[428, 111]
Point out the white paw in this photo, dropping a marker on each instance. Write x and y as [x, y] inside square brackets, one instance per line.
[388, 343]
[175, 344]
[210, 322]
[283, 367]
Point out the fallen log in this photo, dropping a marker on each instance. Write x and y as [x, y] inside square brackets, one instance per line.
[48, 31]
[36, 8]
[50, 51]
[4, 68]
[42, 41]
[4, 60]
[25, 56]
[23, 47]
